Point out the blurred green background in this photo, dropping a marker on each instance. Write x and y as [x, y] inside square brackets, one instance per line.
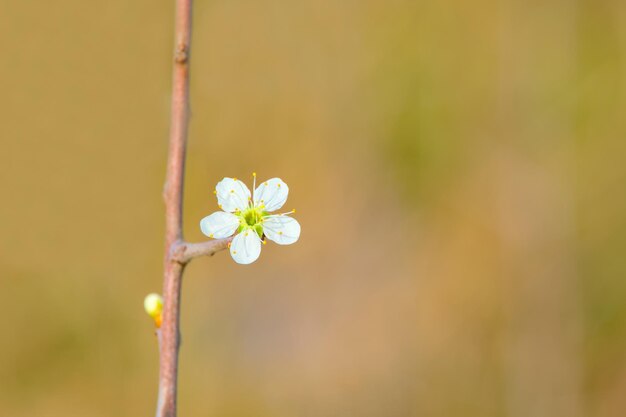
[458, 171]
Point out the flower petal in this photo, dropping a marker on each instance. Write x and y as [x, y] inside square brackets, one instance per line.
[272, 193]
[219, 225]
[232, 195]
[246, 247]
[283, 230]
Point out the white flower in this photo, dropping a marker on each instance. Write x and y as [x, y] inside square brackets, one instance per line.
[249, 216]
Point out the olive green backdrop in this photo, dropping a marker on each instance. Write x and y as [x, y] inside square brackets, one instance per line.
[457, 169]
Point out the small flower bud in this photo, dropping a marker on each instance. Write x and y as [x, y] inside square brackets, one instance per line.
[153, 304]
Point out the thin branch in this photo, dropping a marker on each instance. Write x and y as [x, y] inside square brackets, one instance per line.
[184, 252]
[173, 197]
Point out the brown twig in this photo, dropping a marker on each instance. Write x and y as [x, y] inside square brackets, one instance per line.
[184, 252]
[177, 252]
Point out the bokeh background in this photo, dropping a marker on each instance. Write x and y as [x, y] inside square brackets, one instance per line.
[458, 169]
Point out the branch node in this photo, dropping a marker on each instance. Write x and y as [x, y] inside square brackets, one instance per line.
[181, 56]
[177, 252]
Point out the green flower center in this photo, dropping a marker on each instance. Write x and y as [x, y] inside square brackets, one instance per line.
[251, 218]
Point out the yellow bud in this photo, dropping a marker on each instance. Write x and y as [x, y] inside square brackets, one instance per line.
[153, 304]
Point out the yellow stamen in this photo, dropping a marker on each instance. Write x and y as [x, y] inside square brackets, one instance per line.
[253, 187]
